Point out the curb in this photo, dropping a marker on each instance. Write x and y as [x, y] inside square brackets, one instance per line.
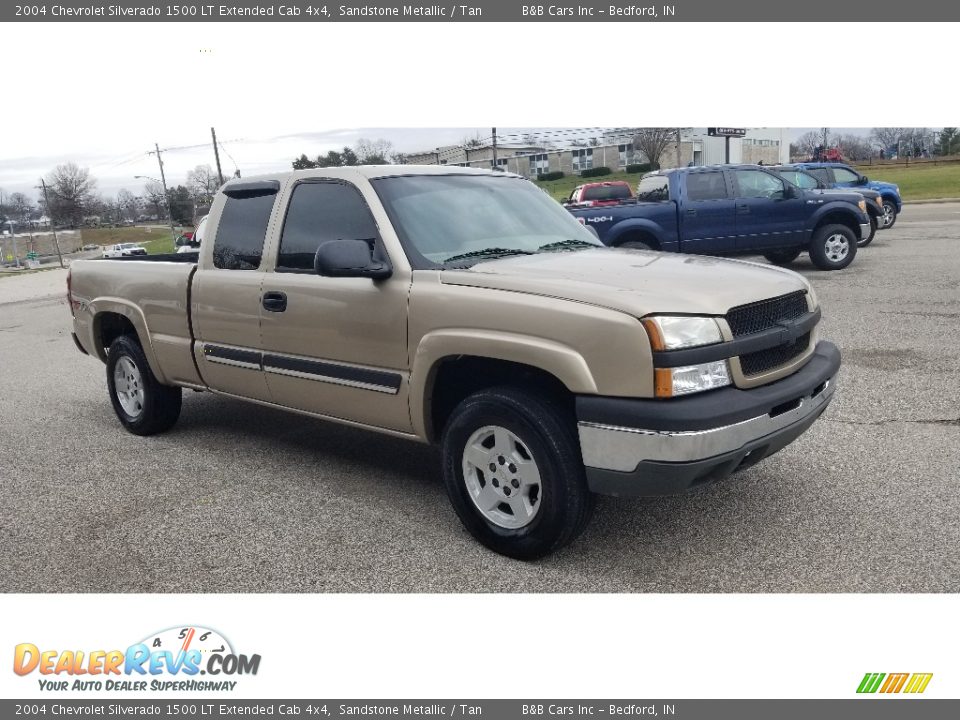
[932, 201]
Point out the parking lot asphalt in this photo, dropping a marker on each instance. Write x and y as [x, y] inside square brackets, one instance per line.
[241, 498]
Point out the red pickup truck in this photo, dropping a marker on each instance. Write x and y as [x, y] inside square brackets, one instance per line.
[599, 194]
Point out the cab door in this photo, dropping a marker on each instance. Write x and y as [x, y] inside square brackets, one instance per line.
[706, 213]
[334, 346]
[226, 293]
[769, 213]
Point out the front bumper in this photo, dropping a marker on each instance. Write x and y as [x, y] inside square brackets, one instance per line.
[636, 447]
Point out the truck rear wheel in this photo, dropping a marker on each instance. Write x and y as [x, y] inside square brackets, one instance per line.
[142, 404]
[833, 247]
[784, 256]
[514, 474]
[874, 223]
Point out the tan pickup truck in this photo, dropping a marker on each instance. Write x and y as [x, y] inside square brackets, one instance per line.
[469, 309]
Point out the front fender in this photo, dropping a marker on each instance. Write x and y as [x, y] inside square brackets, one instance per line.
[561, 361]
[852, 213]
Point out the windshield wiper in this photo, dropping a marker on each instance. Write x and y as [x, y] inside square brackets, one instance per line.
[487, 253]
[566, 244]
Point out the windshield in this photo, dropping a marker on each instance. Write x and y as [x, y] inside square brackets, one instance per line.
[468, 218]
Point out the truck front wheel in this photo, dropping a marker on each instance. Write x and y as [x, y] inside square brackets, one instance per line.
[833, 247]
[142, 404]
[514, 474]
[889, 214]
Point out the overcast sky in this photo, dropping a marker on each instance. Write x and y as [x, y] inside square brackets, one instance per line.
[101, 97]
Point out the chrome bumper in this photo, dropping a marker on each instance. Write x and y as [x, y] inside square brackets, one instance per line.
[622, 449]
[864, 231]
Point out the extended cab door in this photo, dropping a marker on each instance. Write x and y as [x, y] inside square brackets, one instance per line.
[334, 346]
[769, 213]
[225, 299]
[706, 213]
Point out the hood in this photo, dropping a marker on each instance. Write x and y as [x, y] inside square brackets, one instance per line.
[880, 185]
[637, 282]
[862, 191]
[847, 194]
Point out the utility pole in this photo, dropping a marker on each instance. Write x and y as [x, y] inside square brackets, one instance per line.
[163, 181]
[53, 225]
[678, 146]
[13, 234]
[493, 132]
[216, 154]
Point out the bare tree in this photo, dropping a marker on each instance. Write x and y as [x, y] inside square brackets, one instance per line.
[155, 198]
[854, 147]
[127, 204]
[203, 183]
[652, 142]
[373, 152]
[806, 144]
[72, 189]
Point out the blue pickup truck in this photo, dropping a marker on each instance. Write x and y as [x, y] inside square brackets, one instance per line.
[733, 209]
[838, 175]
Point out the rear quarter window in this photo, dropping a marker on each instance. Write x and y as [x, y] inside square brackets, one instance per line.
[653, 189]
[241, 231]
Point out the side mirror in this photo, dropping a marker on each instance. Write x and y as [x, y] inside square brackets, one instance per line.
[789, 191]
[349, 258]
[863, 180]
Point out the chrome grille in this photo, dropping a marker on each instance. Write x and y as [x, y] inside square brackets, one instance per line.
[766, 314]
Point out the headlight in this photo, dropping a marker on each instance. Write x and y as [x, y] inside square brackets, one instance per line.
[879, 201]
[677, 332]
[671, 382]
[862, 205]
[669, 332]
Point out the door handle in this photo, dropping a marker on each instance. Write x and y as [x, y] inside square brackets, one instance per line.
[274, 301]
[743, 209]
[691, 212]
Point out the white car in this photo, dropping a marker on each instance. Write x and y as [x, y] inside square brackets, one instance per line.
[123, 250]
[193, 244]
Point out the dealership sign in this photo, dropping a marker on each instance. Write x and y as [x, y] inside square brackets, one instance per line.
[726, 132]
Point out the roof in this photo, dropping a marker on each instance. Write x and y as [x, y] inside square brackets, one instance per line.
[371, 172]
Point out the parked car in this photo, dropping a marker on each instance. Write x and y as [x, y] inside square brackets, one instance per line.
[90, 246]
[599, 194]
[191, 244]
[874, 200]
[733, 209]
[466, 308]
[123, 250]
[838, 175]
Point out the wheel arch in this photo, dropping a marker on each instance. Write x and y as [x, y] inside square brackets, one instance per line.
[114, 317]
[451, 365]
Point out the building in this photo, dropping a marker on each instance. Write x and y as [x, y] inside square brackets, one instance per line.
[615, 150]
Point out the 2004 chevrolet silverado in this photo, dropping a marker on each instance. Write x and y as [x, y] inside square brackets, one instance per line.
[467, 308]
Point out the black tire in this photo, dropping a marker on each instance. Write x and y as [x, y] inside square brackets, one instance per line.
[636, 245]
[548, 434]
[825, 259]
[160, 405]
[890, 211]
[874, 224]
[784, 256]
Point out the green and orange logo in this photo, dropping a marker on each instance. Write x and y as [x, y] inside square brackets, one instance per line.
[913, 683]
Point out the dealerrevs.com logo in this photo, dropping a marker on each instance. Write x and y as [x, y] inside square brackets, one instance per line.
[910, 683]
[172, 659]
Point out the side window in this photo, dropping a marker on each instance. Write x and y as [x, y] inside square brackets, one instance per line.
[802, 179]
[822, 174]
[320, 212]
[757, 184]
[706, 186]
[844, 175]
[241, 231]
[653, 189]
